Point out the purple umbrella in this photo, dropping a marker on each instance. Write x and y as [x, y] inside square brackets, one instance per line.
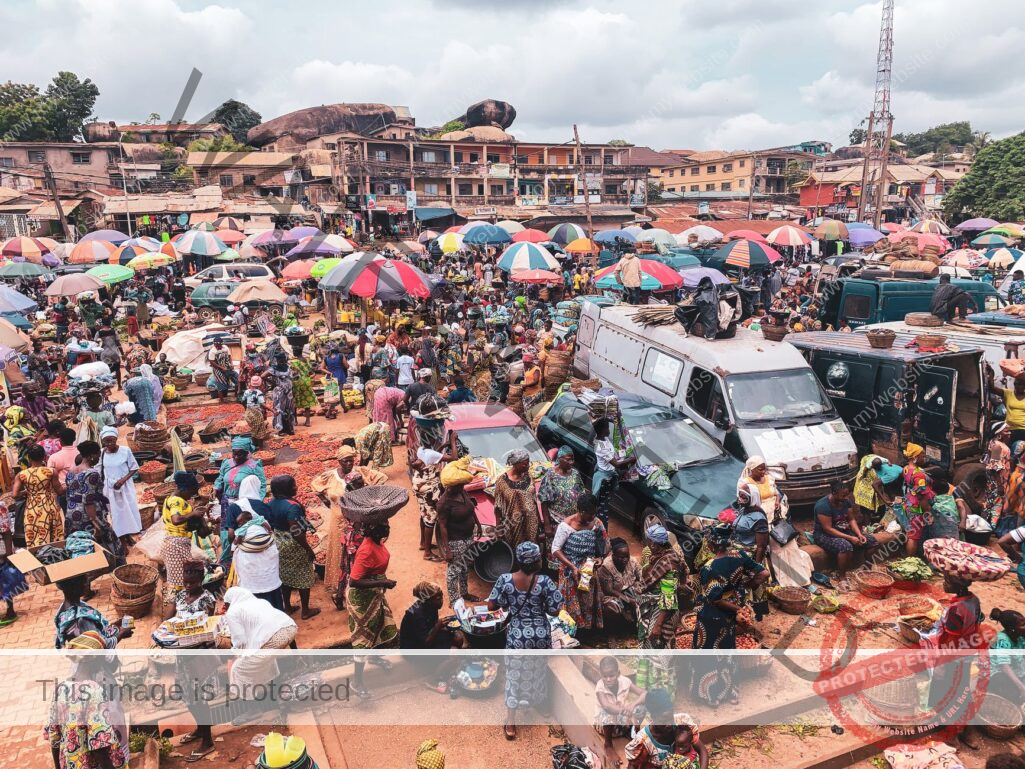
[977, 225]
[111, 236]
[693, 276]
[296, 234]
[315, 247]
[863, 236]
[50, 260]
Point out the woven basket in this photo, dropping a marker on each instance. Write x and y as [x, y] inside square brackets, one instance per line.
[162, 491]
[135, 580]
[185, 432]
[1000, 718]
[774, 333]
[874, 584]
[924, 319]
[896, 697]
[268, 457]
[133, 607]
[373, 504]
[930, 340]
[792, 600]
[148, 514]
[915, 605]
[881, 339]
[201, 378]
[153, 476]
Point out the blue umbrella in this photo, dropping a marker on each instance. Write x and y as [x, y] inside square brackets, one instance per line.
[863, 236]
[694, 275]
[314, 247]
[13, 301]
[858, 226]
[486, 235]
[609, 236]
[527, 256]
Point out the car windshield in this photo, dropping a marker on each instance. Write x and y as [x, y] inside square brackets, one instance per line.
[663, 436]
[773, 396]
[496, 442]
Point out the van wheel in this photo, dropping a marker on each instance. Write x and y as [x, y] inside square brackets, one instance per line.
[652, 517]
[971, 478]
[206, 314]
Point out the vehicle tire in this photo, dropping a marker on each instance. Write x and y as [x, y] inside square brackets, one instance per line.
[206, 314]
[972, 479]
[652, 516]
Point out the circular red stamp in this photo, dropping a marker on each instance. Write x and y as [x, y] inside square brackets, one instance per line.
[877, 694]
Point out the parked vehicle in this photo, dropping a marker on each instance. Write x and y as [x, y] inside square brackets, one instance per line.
[210, 300]
[996, 341]
[754, 396]
[896, 396]
[996, 318]
[233, 271]
[702, 474]
[861, 301]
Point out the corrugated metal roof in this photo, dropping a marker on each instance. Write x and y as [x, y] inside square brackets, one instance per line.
[282, 160]
[47, 210]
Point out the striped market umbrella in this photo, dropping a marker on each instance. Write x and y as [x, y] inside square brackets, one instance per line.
[831, 229]
[1002, 258]
[228, 223]
[455, 228]
[788, 235]
[450, 242]
[344, 245]
[1008, 230]
[296, 234]
[91, 252]
[655, 276]
[374, 277]
[531, 236]
[21, 270]
[231, 237]
[657, 235]
[566, 233]
[150, 244]
[991, 240]
[170, 249]
[746, 254]
[582, 246]
[702, 232]
[527, 256]
[486, 235]
[123, 254]
[746, 235]
[426, 237]
[934, 226]
[608, 237]
[299, 270]
[510, 226]
[311, 247]
[200, 243]
[204, 227]
[111, 236]
[965, 257]
[977, 224]
[323, 266]
[228, 255]
[472, 225]
[536, 277]
[150, 261]
[111, 273]
[29, 249]
[266, 238]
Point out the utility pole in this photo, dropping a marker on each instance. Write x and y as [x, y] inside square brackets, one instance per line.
[583, 180]
[751, 185]
[48, 175]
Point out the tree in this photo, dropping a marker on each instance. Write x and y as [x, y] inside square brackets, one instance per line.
[979, 141]
[153, 119]
[238, 117]
[939, 139]
[995, 186]
[70, 102]
[619, 143]
[221, 144]
[451, 125]
[857, 136]
[23, 113]
[653, 191]
[794, 174]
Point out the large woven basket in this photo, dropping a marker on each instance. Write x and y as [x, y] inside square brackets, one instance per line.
[1000, 718]
[874, 584]
[133, 607]
[153, 476]
[774, 333]
[162, 491]
[896, 697]
[185, 432]
[134, 580]
[792, 600]
[931, 340]
[373, 504]
[881, 339]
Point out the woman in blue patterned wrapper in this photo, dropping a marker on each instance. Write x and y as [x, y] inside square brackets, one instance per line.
[530, 598]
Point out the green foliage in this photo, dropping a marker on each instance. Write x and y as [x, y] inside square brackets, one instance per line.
[794, 174]
[23, 113]
[238, 117]
[654, 191]
[27, 114]
[995, 186]
[183, 174]
[137, 743]
[941, 139]
[221, 144]
[857, 136]
[619, 143]
[70, 102]
[451, 125]
[153, 119]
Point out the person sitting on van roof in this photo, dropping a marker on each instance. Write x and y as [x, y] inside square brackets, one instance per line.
[948, 299]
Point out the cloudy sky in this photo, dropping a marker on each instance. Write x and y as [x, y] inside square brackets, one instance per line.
[729, 74]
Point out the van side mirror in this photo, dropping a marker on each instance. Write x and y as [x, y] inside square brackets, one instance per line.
[722, 422]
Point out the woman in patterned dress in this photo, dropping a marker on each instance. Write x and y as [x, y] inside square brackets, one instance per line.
[255, 404]
[530, 598]
[12, 581]
[579, 537]
[371, 387]
[302, 389]
[281, 378]
[288, 519]
[177, 544]
[88, 509]
[658, 608]
[44, 521]
[371, 622]
[515, 505]
[722, 579]
[388, 403]
[373, 444]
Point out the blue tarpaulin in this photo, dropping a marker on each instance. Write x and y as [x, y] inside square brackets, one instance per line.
[426, 213]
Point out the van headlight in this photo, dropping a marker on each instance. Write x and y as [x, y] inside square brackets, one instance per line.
[777, 471]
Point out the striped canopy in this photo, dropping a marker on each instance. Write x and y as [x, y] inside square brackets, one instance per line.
[991, 240]
[931, 225]
[200, 243]
[344, 245]
[91, 252]
[746, 254]
[29, 249]
[426, 237]
[655, 276]
[1002, 258]
[266, 238]
[965, 257]
[486, 234]
[373, 276]
[566, 233]
[150, 261]
[831, 229]
[527, 256]
[123, 254]
[111, 273]
[311, 247]
[296, 234]
[450, 242]
[1010, 230]
[510, 226]
[531, 236]
[205, 227]
[148, 243]
[788, 235]
[228, 223]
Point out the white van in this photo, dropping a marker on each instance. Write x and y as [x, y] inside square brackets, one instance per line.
[755, 396]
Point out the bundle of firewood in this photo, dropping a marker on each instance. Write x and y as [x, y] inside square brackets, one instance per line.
[1018, 310]
[651, 315]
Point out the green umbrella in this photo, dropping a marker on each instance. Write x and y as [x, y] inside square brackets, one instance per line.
[22, 270]
[111, 273]
[229, 255]
[323, 267]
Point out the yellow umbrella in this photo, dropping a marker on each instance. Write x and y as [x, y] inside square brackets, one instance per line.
[150, 260]
[582, 246]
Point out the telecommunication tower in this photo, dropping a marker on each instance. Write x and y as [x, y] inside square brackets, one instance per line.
[880, 125]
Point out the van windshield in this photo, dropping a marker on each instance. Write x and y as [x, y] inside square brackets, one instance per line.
[777, 396]
[662, 436]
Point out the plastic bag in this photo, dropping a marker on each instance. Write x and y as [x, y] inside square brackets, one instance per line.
[124, 408]
[152, 544]
[90, 370]
[977, 524]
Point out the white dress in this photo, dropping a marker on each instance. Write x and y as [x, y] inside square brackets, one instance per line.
[124, 503]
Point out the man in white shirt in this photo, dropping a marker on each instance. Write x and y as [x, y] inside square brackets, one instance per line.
[405, 365]
[607, 466]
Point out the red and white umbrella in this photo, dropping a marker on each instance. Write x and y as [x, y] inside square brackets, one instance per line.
[373, 276]
[747, 235]
[965, 257]
[655, 276]
[788, 235]
[299, 270]
[536, 276]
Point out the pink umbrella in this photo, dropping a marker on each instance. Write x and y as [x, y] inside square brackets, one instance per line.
[788, 235]
[231, 237]
[747, 235]
[536, 276]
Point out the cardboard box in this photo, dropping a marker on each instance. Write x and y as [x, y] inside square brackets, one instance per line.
[25, 561]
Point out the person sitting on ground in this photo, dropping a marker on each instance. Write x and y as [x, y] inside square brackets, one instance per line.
[618, 578]
[837, 530]
[688, 751]
[1008, 664]
[423, 628]
[619, 704]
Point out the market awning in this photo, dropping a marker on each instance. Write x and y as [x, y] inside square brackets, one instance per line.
[48, 210]
[320, 170]
[258, 224]
[203, 216]
[427, 213]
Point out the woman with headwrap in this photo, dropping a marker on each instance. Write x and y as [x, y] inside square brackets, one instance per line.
[369, 390]
[423, 628]
[516, 516]
[559, 490]
[19, 432]
[44, 521]
[723, 581]
[224, 377]
[426, 484]
[117, 468]
[579, 538]
[255, 404]
[751, 537]
[74, 617]
[37, 406]
[457, 527]
[255, 560]
[176, 516]
[96, 414]
[428, 756]
[374, 445]
[88, 509]
[253, 625]
[287, 518]
[146, 392]
[302, 388]
[869, 489]
[918, 497]
[663, 578]
[530, 598]
[281, 379]
[427, 357]
[235, 469]
[388, 404]
[371, 623]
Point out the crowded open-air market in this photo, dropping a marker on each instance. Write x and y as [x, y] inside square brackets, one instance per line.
[335, 439]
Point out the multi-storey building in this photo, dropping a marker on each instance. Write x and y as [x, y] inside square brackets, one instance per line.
[736, 173]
